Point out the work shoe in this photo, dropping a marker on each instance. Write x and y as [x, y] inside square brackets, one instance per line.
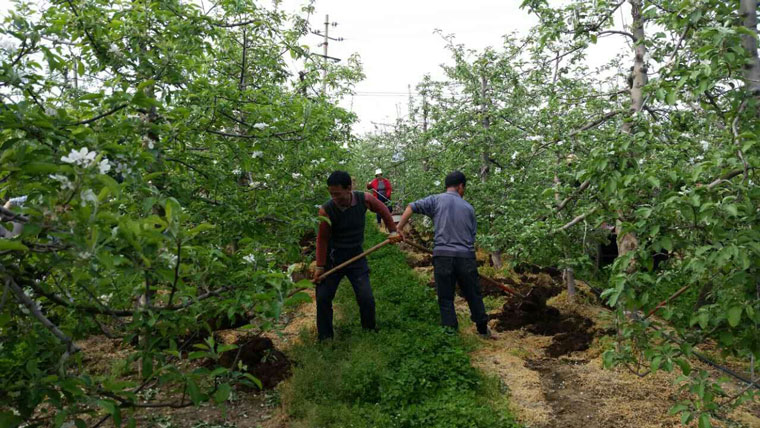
[483, 331]
[449, 331]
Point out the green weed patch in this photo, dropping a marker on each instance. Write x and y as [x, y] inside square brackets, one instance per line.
[410, 373]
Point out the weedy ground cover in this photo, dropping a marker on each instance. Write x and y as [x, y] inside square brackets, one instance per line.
[410, 373]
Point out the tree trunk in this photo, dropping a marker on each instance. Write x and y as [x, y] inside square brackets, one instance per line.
[569, 275]
[486, 126]
[485, 155]
[748, 12]
[628, 242]
[496, 259]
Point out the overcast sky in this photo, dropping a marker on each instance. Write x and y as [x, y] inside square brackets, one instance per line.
[397, 43]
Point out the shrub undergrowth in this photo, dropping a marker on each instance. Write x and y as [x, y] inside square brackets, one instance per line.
[408, 374]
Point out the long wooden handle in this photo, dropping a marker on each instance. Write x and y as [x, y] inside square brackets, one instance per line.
[487, 279]
[353, 259]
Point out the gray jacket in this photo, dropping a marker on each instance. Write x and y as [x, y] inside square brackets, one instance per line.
[455, 224]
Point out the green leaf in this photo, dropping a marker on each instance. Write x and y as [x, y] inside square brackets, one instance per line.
[684, 365]
[734, 315]
[147, 366]
[200, 228]
[704, 319]
[253, 379]
[666, 243]
[656, 361]
[222, 393]
[112, 409]
[297, 299]
[671, 97]
[224, 348]
[194, 392]
[7, 244]
[40, 168]
[9, 420]
[678, 408]
[704, 421]
[731, 209]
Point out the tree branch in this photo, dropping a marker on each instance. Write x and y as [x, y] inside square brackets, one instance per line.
[100, 116]
[574, 221]
[622, 33]
[30, 304]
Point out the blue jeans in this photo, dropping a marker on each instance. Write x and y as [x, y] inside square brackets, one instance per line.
[358, 273]
[387, 203]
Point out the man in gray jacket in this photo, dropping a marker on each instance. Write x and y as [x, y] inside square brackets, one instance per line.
[454, 250]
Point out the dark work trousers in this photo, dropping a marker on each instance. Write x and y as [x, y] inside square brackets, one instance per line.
[386, 202]
[450, 270]
[358, 273]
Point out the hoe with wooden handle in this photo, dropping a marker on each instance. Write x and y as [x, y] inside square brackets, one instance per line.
[353, 259]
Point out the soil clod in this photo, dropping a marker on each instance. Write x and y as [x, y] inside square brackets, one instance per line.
[571, 332]
[261, 358]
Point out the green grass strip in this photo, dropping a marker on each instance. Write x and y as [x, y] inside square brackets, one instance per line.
[409, 374]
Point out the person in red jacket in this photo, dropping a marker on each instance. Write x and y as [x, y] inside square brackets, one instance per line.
[381, 189]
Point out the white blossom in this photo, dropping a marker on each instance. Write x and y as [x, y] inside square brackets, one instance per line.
[88, 196]
[18, 201]
[84, 255]
[267, 176]
[123, 168]
[83, 157]
[296, 175]
[104, 166]
[236, 171]
[114, 49]
[514, 155]
[511, 179]
[65, 182]
[8, 44]
[497, 170]
[257, 154]
[281, 157]
[437, 182]
[559, 143]
[250, 258]
[148, 142]
[705, 145]
[699, 157]
[535, 138]
[261, 125]
[641, 161]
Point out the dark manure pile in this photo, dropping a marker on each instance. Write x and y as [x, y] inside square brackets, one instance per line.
[571, 332]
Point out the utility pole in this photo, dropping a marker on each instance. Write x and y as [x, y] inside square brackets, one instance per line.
[325, 45]
[411, 104]
[324, 63]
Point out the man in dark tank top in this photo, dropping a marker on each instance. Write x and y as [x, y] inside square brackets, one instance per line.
[341, 239]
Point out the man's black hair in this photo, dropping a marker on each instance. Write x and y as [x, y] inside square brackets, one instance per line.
[339, 178]
[455, 178]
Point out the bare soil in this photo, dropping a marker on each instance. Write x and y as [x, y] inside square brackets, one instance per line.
[546, 350]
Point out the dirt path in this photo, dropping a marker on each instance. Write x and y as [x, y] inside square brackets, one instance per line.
[547, 353]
